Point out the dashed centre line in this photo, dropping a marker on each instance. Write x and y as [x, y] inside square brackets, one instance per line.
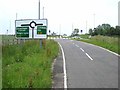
[84, 52]
[89, 56]
[76, 45]
[82, 49]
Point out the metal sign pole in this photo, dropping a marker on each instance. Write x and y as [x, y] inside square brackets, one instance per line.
[32, 33]
[40, 43]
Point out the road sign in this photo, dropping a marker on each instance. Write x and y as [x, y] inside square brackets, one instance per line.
[22, 32]
[31, 28]
[41, 30]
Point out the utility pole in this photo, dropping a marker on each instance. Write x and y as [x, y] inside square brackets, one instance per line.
[94, 19]
[16, 16]
[59, 30]
[86, 26]
[10, 26]
[72, 28]
[39, 18]
[7, 31]
[43, 12]
[39, 10]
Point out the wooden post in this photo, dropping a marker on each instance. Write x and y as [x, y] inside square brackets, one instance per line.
[41, 43]
[13, 41]
[8, 42]
[44, 43]
[17, 41]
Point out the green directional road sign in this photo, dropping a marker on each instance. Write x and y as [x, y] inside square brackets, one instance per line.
[22, 32]
[41, 29]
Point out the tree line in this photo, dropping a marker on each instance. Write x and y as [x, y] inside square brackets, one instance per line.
[105, 29]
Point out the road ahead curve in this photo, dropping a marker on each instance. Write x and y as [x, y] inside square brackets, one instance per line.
[89, 66]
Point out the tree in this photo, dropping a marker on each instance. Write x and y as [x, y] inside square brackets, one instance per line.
[65, 35]
[90, 31]
[75, 32]
[117, 29]
[103, 29]
[95, 31]
[106, 28]
[111, 31]
[53, 34]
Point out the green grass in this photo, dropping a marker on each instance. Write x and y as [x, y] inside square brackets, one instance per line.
[85, 36]
[111, 43]
[8, 37]
[27, 65]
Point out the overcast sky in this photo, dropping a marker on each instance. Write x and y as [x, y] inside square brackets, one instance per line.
[62, 15]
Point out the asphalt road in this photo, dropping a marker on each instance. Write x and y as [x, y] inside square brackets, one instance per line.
[89, 66]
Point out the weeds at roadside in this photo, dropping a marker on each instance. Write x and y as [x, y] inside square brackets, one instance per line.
[28, 65]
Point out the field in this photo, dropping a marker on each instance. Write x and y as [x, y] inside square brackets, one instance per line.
[27, 65]
[111, 43]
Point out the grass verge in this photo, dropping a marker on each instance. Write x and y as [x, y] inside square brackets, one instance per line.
[27, 65]
[110, 43]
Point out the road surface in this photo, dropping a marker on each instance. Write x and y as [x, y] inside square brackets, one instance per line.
[88, 66]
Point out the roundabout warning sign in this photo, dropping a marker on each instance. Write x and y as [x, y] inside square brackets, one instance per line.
[31, 29]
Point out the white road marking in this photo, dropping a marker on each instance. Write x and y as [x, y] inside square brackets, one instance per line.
[89, 56]
[76, 45]
[82, 49]
[102, 48]
[64, 67]
[73, 43]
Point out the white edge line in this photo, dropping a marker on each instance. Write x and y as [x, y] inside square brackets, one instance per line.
[89, 56]
[109, 51]
[64, 67]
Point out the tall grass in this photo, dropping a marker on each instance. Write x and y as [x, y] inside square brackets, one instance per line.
[85, 36]
[27, 65]
[7, 37]
[111, 43]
